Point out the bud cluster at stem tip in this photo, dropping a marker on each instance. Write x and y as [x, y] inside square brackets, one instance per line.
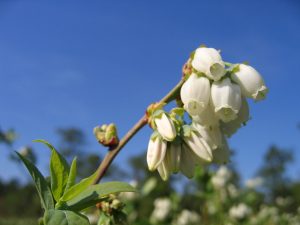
[107, 135]
[214, 96]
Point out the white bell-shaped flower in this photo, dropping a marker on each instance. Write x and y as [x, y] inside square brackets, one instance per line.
[243, 116]
[187, 161]
[207, 117]
[226, 98]
[156, 152]
[212, 134]
[209, 62]
[195, 94]
[221, 155]
[198, 145]
[165, 127]
[251, 82]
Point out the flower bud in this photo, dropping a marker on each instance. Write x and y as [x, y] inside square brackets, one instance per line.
[156, 152]
[165, 127]
[209, 62]
[198, 145]
[243, 116]
[226, 98]
[251, 82]
[173, 156]
[195, 94]
[116, 204]
[164, 169]
[107, 135]
[187, 161]
[212, 134]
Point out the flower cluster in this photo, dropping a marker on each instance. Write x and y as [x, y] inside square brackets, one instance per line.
[214, 96]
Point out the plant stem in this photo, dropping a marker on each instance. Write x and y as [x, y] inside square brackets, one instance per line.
[113, 152]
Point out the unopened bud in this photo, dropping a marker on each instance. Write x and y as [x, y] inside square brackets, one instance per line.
[153, 107]
[116, 204]
[187, 68]
[107, 135]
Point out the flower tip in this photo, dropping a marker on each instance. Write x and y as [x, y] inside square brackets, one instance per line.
[217, 70]
[260, 94]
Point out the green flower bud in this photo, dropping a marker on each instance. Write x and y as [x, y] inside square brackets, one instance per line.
[116, 204]
[107, 135]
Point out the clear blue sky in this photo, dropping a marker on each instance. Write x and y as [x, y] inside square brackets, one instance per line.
[82, 63]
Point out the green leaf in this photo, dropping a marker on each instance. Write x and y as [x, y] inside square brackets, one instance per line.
[78, 188]
[64, 217]
[94, 193]
[59, 170]
[72, 175]
[104, 219]
[41, 184]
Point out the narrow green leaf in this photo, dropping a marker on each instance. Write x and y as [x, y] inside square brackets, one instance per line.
[64, 217]
[94, 193]
[78, 188]
[41, 184]
[59, 171]
[72, 175]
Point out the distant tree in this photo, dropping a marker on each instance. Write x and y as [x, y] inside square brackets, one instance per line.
[273, 171]
[19, 200]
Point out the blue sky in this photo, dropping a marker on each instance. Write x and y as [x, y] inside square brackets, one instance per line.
[84, 63]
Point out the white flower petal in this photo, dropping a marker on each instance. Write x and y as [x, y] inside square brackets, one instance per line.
[199, 146]
[209, 62]
[226, 98]
[243, 116]
[195, 94]
[221, 155]
[165, 127]
[155, 153]
[212, 134]
[187, 164]
[207, 117]
[251, 82]
[164, 169]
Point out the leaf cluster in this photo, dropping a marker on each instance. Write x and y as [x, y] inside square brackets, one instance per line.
[63, 200]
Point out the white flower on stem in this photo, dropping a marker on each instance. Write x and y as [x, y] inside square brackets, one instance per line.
[251, 82]
[243, 116]
[211, 134]
[165, 127]
[156, 152]
[209, 62]
[221, 155]
[226, 98]
[197, 144]
[171, 162]
[195, 94]
[207, 117]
